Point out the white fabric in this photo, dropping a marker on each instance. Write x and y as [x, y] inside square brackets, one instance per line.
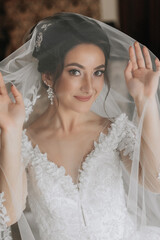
[96, 209]
[5, 232]
[20, 68]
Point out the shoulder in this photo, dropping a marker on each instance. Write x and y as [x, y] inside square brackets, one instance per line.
[125, 128]
[118, 124]
[121, 130]
[29, 141]
[122, 122]
[30, 137]
[34, 132]
[100, 122]
[127, 134]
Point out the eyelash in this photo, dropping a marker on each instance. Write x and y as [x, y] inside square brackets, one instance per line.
[73, 71]
[101, 71]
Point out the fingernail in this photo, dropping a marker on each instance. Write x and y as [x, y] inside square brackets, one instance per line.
[12, 84]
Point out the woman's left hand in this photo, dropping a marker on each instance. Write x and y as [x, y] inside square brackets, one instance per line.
[141, 80]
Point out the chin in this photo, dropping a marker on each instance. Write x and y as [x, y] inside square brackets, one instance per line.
[82, 109]
[78, 107]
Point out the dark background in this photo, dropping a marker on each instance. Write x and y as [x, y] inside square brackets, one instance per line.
[138, 18]
[141, 20]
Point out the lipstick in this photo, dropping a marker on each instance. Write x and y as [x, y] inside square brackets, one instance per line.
[83, 99]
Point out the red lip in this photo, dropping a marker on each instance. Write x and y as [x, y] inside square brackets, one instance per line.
[83, 99]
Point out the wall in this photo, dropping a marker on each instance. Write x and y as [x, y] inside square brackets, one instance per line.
[109, 11]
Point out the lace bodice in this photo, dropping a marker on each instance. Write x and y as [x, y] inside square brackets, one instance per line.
[93, 209]
[5, 233]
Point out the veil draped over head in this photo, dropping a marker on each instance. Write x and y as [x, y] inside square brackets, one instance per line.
[23, 69]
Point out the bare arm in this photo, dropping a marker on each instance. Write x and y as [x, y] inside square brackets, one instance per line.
[142, 83]
[12, 173]
[150, 144]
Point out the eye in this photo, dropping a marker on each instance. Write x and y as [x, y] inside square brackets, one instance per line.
[74, 72]
[99, 73]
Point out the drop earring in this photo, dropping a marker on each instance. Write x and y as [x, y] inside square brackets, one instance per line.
[50, 93]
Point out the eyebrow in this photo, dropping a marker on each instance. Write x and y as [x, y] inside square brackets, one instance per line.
[80, 66]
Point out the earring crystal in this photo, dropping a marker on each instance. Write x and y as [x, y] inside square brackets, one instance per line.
[50, 94]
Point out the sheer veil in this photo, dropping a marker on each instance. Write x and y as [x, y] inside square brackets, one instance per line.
[21, 69]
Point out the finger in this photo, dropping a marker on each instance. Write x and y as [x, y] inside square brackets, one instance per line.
[147, 58]
[139, 56]
[3, 89]
[157, 62]
[17, 95]
[128, 71]
[133, 58]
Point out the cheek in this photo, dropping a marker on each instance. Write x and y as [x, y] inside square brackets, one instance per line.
[66, 85]
[98, 84]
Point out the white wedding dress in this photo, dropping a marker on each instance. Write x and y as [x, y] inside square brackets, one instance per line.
[93, 209]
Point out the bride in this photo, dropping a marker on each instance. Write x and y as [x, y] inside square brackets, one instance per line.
[70, 156]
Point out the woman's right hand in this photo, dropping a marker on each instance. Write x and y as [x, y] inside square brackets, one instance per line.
[12, 114]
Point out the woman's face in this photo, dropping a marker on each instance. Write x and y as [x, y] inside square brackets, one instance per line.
[82, 78]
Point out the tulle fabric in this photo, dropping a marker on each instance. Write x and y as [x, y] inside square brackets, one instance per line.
[20, 69]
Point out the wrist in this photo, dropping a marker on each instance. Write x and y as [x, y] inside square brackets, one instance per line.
[12, 129]
[141, 102]
[10, 138]
[143, 99]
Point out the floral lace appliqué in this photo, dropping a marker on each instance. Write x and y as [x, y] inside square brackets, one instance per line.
[29, 104]
[59, 207]
[128, 137]
[5, 233]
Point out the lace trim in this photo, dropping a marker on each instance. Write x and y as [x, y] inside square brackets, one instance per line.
[44, 172]
[5, 232]
[41, 163]
[128, 138]
[121, 136]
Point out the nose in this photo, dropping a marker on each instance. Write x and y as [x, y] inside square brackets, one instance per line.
[87, 85]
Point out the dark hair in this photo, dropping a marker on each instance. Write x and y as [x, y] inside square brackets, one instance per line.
[58, 34]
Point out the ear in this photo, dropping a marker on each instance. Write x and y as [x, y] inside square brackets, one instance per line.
[47, 78]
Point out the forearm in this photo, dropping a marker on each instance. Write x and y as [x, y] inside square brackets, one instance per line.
[150, 144]
[12, 175]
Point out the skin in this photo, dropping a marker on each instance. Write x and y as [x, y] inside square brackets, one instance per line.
[82, 77]
[62, 133]
[66, 129]
[142, 83]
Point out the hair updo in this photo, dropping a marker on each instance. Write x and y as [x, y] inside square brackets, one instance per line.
[58, 34]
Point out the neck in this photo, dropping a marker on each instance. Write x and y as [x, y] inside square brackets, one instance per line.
[64, 119]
